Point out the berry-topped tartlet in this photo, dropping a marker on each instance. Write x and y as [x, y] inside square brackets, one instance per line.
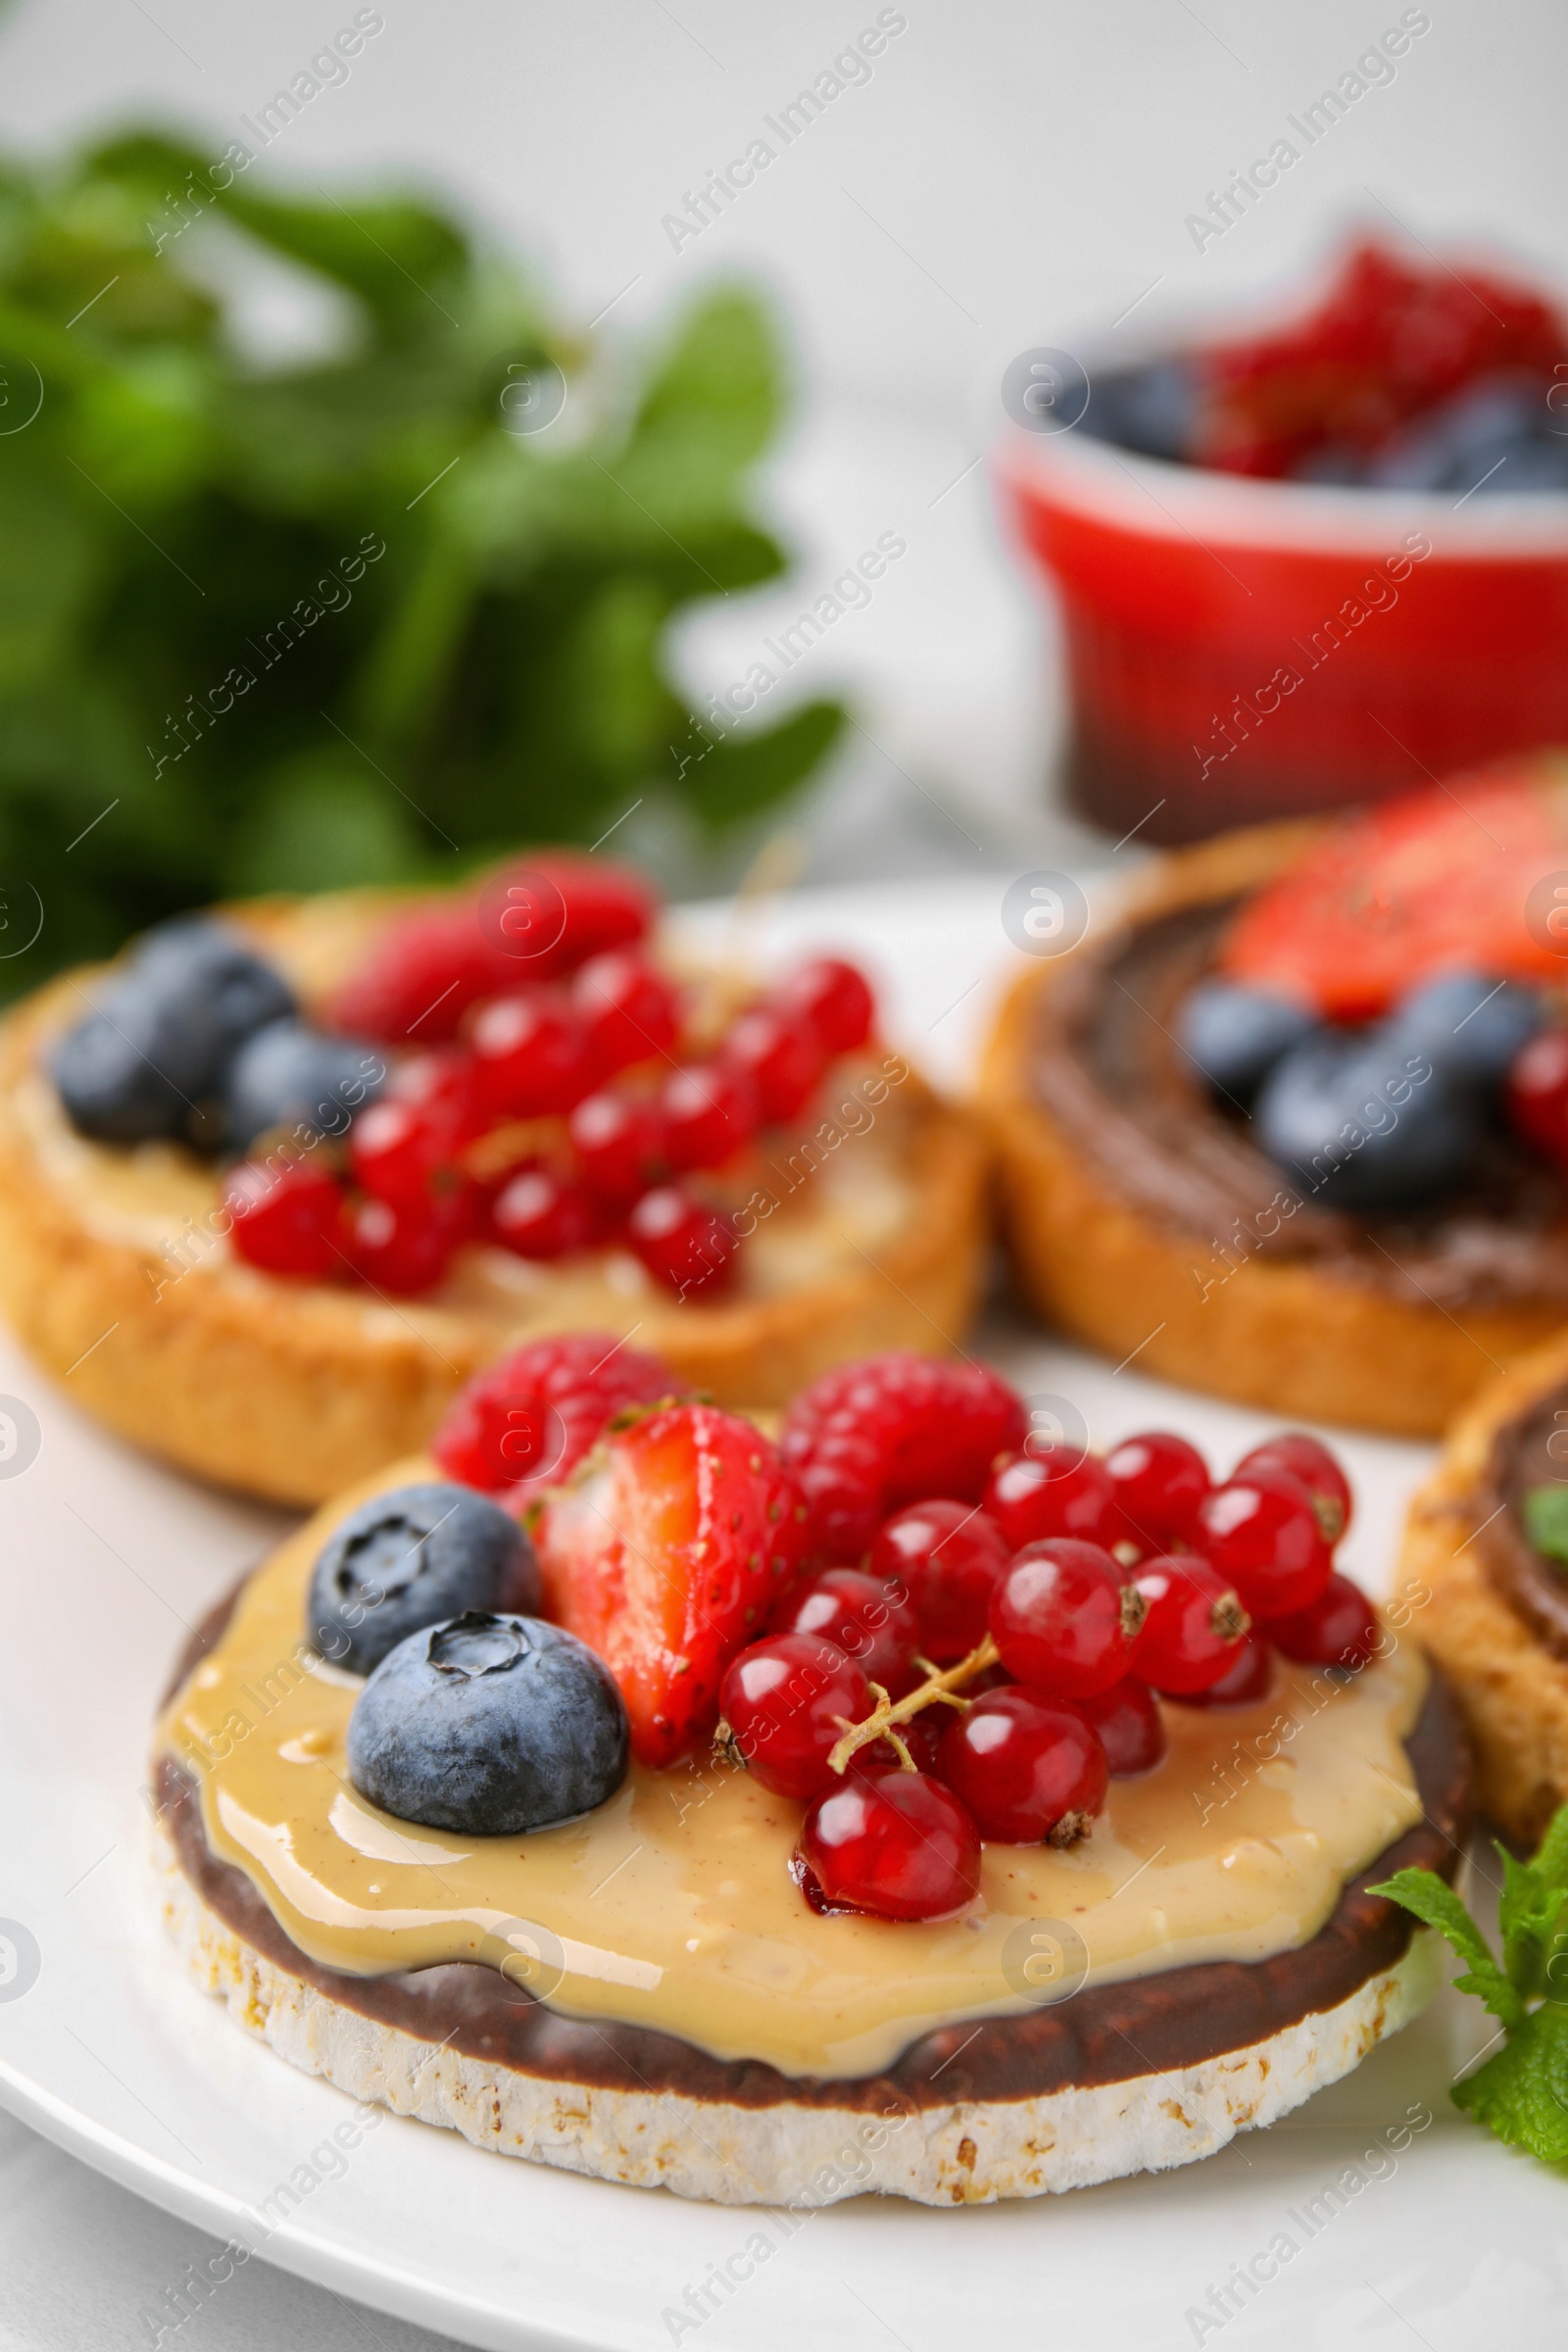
[277, 1181]
[897, 1806]
[1486, 1565]
[1296, 1129]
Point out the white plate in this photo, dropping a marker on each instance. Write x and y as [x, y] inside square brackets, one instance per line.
[105, 1560]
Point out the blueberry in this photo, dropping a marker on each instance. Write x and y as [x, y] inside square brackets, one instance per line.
[1149, 409]
[407, 1559]
[1491, 437]
[289, 1075]
[194, 959]
[1353, 1116]
[133, 1069]
[1236, 1035]
[1468, 1026]
[490, 1726]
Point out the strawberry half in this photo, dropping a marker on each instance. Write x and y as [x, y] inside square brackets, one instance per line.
[1433, 882]
[667, 1554]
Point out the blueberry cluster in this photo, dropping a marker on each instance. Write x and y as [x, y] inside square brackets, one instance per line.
[1383, 1116]
[476, 1716]
[199, 1039]
[1494, 437]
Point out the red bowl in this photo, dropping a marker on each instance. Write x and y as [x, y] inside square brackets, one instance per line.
[1238, 650]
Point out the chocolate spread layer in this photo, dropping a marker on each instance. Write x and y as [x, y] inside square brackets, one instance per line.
[1529, 1451]
[1109, 1070]
[1105, 2033]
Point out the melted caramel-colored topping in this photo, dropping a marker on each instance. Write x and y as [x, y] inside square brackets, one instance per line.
[671, 1906]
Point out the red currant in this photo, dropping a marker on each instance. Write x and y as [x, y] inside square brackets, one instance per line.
[1339, 1628]
[709, 1112]
[400, 1251]
[782, 1055]
[1029, 1772]
[864, 1619]
[1261, 1533]
[686, 1244]
[1537, 1094]
[1130, 1725]
[1246, 1679]
[626, 1007]
[788, 1702]
[1194, 1622]
[619, 1142]
[1304, 1458]
[1065, 1619]
[894, 1843]
[536, 1413]
[835, 999]
[406, 1152]
[533, 1055]
[539, 1214]
[947, 1558]
[444, 1079]
[286, 1220]
[1159, 1481]
[1052, 1490]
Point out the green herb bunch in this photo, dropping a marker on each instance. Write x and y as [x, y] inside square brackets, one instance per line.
[1521, 2091]
[348, 621]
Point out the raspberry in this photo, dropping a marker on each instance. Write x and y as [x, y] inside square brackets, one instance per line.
[528, 1420]
[420, 978]
[865, 1438]
[548, 913]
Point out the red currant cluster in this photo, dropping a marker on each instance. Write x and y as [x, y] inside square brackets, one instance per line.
[564, 1110]
[1066, 1594]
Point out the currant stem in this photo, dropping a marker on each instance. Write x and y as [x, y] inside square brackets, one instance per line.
[942, 1682]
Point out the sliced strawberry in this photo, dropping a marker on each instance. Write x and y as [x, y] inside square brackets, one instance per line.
[666, 1555]
[1438, 881]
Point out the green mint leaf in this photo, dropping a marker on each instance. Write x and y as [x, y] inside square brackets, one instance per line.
[1551, 1856]
[1520, 2093]
[1435, 1903]
[1546, 1516]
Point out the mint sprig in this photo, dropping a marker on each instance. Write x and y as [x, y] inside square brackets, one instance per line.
[1521, 2092]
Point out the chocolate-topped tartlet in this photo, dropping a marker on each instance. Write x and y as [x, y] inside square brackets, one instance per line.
[1282, 1131]
[1486, 1567]
[634, 1836]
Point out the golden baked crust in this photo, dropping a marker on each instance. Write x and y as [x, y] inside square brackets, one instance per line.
[1513, 1689]
[294, 1391]
[1289, 1335]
